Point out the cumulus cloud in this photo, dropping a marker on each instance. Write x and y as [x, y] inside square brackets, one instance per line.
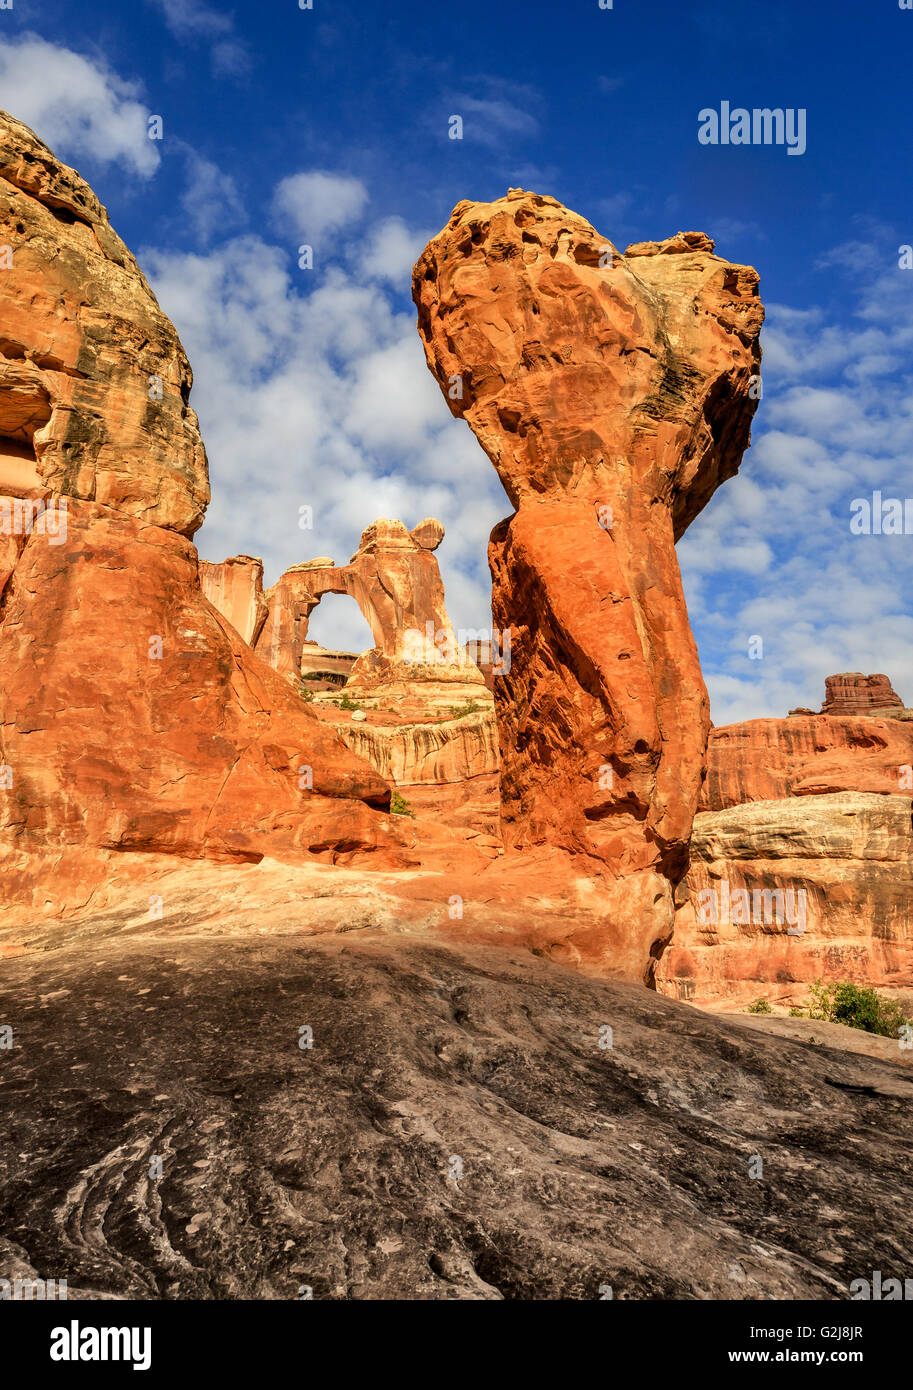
[211, 201]
[772, 556]
[77, 105]
[192, 21]
[314, 203]
[392, 250]
[313, 393]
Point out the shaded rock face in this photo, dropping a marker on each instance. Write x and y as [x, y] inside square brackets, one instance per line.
[395, 579]
[456, 1131]
[613, 394]
[811, 805]
[131, 714]
[854, 693]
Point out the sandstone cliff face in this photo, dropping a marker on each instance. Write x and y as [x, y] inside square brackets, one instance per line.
[829, 881]
[131, 714]
[451, 750]
[815, 805]
[235, 587]
[763, 759]
[94, 383]
[613, 396]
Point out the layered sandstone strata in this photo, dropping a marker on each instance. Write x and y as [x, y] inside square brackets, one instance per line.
[613, 394]
[806, 755]
[132, 715]
[811, 805]
[853, 693]
[445, 751]
[782, 893]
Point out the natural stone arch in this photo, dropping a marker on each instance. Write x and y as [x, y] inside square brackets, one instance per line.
[395, 579]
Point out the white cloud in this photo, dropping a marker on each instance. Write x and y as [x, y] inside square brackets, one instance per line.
[313, 391]
[836, 423]
[312, 204]
[492, 122]
[191, 20]
[76, 105]
[392, 250]
[210, 200]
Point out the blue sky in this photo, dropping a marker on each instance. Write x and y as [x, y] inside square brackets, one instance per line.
[330, 126]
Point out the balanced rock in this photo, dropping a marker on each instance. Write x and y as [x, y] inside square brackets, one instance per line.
[133, 716]
[613, 394]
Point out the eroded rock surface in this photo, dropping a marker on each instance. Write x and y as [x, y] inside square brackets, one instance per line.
[235, 587]
[829, 884]
[812, 805]
[456, 1130]
[806, 755]
[853, 693]
[132, 716]
[613, 394]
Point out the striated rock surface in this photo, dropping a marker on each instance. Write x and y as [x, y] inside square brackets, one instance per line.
[829, 880]
[333, 1167]
[806, 755]
[853, 693]
[613, 396]
[132, 716]
[94, 383]
[449, 750]
[395, 579]
[817, 805]
[235, 587]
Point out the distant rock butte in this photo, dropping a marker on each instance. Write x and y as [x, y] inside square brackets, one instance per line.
[854, 693]
[613, 394]
[132, 715]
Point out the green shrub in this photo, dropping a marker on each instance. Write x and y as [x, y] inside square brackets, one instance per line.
[347, 703]
[760, 1006]
[460, 711]
[859, 1006]
[399, 806]
[855, 1006]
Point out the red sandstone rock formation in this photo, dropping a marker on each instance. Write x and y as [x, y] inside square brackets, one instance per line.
[766, 759]
[811, 804]
[853, 693]
[132, 716]
[612, 394]
[395, 580]
[826, 885]
[235, 587]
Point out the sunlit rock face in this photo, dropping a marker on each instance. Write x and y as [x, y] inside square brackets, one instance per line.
[395, 579]
[132, 716]
[613, 394]
[801, 855]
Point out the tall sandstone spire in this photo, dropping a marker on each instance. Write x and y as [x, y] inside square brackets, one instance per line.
[613, 394]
